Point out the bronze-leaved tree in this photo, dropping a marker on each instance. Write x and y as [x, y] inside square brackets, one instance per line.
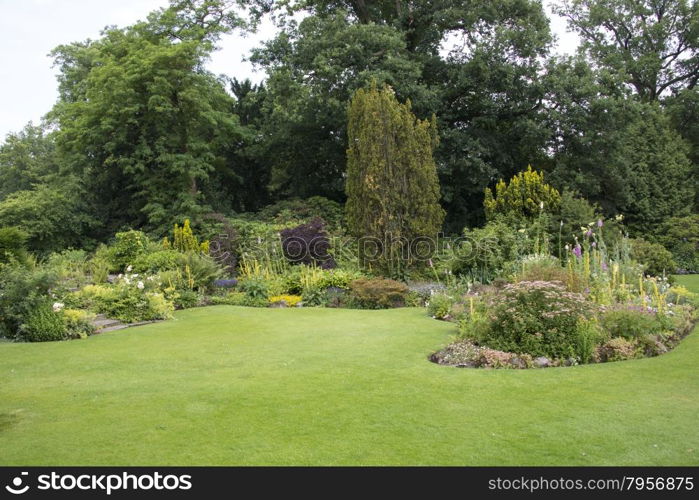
[392, 186]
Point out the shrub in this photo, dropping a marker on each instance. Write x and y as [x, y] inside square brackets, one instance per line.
[254, 288]
[43, 324]
[22, 290]
[79, 323]
[127, 247]
[488, 250]
[630, 323]
[13, 243]
[440, 305]
[656, 259]
[288, 300]
[522, 196]
[378, 293]
[295, 211]
[163, 260]
[616, 349]
[680, 235]
[538, 318]
[308, 244]
[588, 335]
[239, 299]
[539, 267]
[125, 301]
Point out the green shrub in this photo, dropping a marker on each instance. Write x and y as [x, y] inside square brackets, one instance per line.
[239, 299]
[680, 235]
[125, 301]
[378, 293]
[487, 251]
[440, 306]
[254, 288]
[162, 260]
[43, 324]
[538, 318]
[314, 297]
[630, 323]
[22, 290]
[13, 243]
[79, 323]
[655, 258]
[127, 247]
[588, 335]
[186, 299]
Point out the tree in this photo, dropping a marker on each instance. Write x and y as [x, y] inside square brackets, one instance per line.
[142, 122]
[27, 158]
[652, 44]
[54, 217]
[625, 156]
[392, 186]
[486, 91]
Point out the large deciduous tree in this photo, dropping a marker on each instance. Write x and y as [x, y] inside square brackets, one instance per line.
[141, 120]
[652, 44]
[392, 186]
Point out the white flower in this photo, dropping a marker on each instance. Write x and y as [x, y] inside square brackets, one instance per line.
[541, 205]
[140, 285]
[57, 306]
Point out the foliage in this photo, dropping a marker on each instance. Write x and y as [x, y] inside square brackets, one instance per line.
[392, 186]
[22, 290]
[184, 240]
[651, 45]
[130, 300]
[488, 251]
[525, 195]
[287, 300]
[254, 288]
[53, 216]
[144, 125]
[656, 259]
[79, 323]
[680, 235]
[12, 244]
[378, 293]
[630, 323]
[616, 349]
[43, 324]
[538, 318]
[163, 260]
[298, 211]
[128, 246]
[308, 244]
[440, 306]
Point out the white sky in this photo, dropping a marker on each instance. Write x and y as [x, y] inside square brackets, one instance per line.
[30, 29]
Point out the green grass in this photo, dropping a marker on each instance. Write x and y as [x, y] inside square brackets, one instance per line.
[229, 385]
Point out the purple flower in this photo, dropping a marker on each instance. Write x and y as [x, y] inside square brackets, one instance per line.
[594, 244]
[588, 233]
[577, 251]
[605, 267]
[600, 223]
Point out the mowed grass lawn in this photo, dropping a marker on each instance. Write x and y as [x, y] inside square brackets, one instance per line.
[228, 385]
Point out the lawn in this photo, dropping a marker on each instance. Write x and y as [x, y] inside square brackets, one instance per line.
[231, 386]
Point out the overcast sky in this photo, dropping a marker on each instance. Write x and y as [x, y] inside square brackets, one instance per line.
[30, 29]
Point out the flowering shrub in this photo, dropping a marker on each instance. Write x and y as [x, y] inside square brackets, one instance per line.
[78, 323]
[536, 317]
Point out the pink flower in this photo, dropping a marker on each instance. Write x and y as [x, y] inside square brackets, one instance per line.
[577, 251]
